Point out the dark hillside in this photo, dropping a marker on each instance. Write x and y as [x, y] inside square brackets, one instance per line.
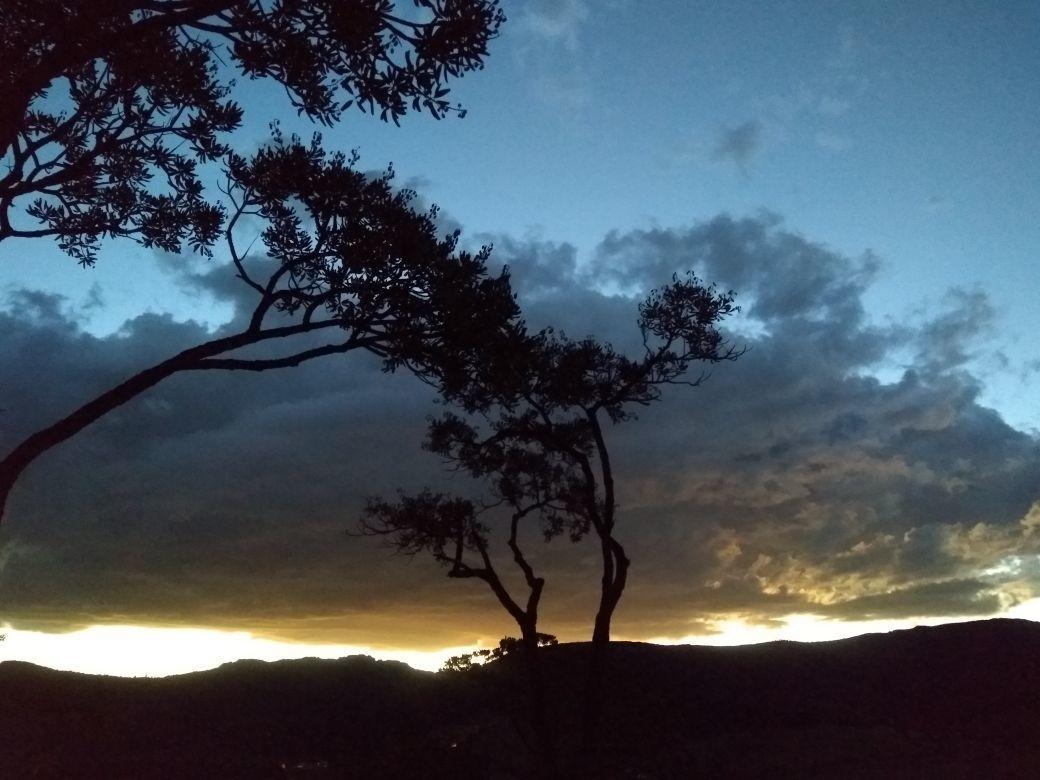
[953, 701]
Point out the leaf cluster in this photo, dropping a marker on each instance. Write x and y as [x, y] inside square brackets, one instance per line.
[443, 526]
[347, 254]
[524, 467]
[382, 59]
[111, 106]
[533, 431]
[349, 249]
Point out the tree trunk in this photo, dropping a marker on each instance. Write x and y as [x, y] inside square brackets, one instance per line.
[12, 466]
[610, 595]
[539, 704]
[613, 585]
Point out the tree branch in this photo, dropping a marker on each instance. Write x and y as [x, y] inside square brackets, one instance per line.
[12, 466]
[289, 361]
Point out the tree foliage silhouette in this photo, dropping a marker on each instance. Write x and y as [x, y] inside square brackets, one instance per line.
[346, 255]
[532, 428]
[507, 645]
[110, 106]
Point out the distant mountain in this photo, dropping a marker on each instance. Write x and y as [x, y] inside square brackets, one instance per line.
[953, 701]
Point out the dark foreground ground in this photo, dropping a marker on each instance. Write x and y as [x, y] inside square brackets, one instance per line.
[957, 701]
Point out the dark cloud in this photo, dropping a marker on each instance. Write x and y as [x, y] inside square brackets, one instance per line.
[947, 597]
[538, 269]
[739, 144]
[792, 481]
[947, 338]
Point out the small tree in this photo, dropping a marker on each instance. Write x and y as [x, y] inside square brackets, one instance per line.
[451, 530]
[111, 105]
[533, 430]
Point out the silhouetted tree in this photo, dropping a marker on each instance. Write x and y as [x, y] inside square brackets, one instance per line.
[452, 531]
[109, 106]
[533, 429]
[345, 255]
[543, 405]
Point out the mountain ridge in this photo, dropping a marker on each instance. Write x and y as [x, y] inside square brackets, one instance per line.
[957, 700]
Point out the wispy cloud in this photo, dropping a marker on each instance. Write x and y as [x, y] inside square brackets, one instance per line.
[558, 21]
[550, 47]
[739, 144]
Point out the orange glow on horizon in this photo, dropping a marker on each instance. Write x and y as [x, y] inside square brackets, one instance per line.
[144, 651]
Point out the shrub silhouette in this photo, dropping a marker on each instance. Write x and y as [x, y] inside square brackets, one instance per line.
[507, 645]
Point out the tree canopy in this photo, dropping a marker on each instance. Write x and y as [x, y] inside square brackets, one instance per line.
[507, 645]
[532, 429]
[111, 106]
[347, 255]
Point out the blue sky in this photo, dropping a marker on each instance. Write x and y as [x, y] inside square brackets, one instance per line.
[865, 175]
[905, 130]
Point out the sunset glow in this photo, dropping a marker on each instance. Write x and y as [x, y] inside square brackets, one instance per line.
[142, 651]
[519, 388]
[859, 181]
[149, 651]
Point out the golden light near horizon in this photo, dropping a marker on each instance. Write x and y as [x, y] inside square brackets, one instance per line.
[812, 628]
[150, 651]
[731, 632]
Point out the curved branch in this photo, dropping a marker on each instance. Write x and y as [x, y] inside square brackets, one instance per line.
[535, 584]
[12, 466]
[236, 258]
[289, 361]
[490, 576]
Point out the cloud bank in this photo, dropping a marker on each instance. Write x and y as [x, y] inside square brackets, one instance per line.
[793, 481]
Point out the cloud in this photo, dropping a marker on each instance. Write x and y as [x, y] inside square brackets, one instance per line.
[947, 338]
[549, 49]
[950, 597]
[739, 144]
[555, 20]
[793, 480]
[832, 142]
[816, 109]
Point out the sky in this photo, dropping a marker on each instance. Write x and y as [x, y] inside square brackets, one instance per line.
[862, 175]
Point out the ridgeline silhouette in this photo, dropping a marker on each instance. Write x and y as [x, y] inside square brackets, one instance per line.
[954, 701]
